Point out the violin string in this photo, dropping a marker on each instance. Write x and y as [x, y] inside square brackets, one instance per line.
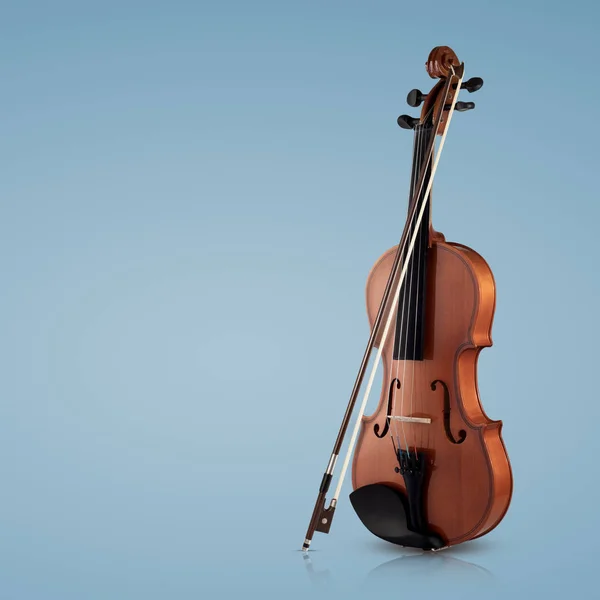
[418, 258]
[409, 310]
[415, 391]
[405, 315]
[408, 303]
[429, 433]
[426, 438]
[424, 233]
[409, 247]
[402, 306]
[418, 437]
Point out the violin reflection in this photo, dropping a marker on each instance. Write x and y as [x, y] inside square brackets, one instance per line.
[432, 566]
[427, 566]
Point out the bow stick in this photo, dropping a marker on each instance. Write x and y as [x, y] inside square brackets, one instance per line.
[322, 517]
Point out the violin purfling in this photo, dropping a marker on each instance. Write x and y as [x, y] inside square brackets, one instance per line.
[429, 468]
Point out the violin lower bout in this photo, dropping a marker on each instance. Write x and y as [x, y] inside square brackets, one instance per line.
[467, 485]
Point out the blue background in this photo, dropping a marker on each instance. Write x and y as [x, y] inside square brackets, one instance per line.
[192, 196]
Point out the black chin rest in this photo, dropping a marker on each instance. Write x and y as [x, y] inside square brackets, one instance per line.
[383, 511]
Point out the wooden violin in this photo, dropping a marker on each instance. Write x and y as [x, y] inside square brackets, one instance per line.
[429, 468]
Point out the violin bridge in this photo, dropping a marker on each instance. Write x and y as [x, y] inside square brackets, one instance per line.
[425, 420]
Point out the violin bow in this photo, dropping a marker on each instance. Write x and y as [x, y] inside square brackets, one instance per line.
[322, 517]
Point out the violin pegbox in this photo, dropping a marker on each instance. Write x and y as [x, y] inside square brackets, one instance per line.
[441, 64]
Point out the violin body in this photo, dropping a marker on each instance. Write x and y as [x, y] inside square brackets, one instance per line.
[468, 483]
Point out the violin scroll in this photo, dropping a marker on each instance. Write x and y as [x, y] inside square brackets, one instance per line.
[442, 62]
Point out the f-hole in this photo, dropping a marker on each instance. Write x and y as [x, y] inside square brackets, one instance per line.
[462, 434]
[386, 427]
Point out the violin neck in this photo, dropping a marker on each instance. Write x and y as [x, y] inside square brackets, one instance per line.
[409, 342]
[423, 135]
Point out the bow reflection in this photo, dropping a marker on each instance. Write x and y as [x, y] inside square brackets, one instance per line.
[318, 578]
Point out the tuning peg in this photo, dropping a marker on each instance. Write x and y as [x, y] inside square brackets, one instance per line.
[462, 106]
[407, 122]
[472, 85]
[415, 97]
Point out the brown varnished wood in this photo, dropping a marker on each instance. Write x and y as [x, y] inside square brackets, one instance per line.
[441, 63]
[471, 483]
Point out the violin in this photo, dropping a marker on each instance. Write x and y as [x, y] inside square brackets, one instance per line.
[429, 468]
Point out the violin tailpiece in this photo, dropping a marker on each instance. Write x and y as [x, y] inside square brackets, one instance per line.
[385, 512]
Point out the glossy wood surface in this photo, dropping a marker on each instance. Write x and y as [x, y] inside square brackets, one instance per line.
[470, 486]
[442, 63]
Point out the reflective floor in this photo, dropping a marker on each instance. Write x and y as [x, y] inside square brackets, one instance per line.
[193, 196]
[173, 546]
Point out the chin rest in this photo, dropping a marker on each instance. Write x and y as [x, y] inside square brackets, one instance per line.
[384, 511]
